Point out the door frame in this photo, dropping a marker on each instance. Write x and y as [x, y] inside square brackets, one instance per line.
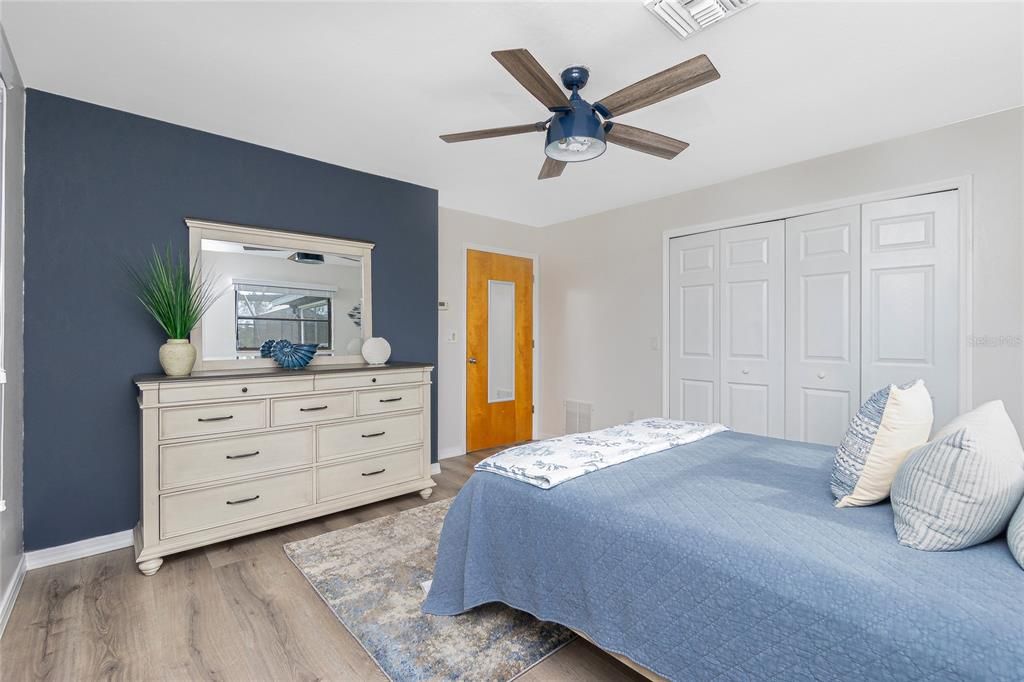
[464, 316]
[963, 183]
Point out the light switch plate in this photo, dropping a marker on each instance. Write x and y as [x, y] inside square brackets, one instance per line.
[442, 305]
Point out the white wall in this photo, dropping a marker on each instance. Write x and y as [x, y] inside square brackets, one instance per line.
[456, 230]
[11, 520]
[601, 310]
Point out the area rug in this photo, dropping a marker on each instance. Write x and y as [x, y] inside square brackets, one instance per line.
[371, 576]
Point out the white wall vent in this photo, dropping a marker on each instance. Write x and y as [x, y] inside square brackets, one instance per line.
[577, 416]
[686, 17]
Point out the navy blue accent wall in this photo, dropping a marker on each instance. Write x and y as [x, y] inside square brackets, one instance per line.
[102, 185]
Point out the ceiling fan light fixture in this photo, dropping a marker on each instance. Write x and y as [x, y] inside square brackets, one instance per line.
[575, 135]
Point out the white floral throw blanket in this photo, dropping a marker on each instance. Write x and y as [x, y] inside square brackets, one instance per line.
[546, 463]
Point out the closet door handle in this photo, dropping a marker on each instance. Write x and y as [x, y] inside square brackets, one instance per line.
[374, 473]
[746, 371]
[821, 375]
[216, 419]
[374, 435]
[243, 455]
[312, 409]
[390, 400]
[244, 500]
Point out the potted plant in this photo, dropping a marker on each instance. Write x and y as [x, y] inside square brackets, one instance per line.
[177, 295]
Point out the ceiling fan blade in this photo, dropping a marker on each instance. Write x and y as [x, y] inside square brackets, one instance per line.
[644, 141]
[672, 81]
[551, 168]
[532, 76]
[495, 132]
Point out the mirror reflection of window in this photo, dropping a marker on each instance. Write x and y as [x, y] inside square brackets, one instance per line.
[276, 293]
[264, 311]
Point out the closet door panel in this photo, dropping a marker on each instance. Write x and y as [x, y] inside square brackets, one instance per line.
[911, 297]
[822, 324]
[753, 331]
[693, 332]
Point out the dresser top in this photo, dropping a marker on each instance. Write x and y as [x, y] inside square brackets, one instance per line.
[259, 372]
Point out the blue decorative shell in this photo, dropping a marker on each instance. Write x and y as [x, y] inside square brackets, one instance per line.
[293, 355]
[266, 347]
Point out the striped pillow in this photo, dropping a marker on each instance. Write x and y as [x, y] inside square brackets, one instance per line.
[1015, 535]
[887, 426]
[951, 493]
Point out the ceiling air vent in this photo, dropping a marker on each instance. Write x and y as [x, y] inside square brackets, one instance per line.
[686, 17]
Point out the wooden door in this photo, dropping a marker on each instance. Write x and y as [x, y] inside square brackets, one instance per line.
[753, 329]
[693, 317]
[499, 349]
[822, 324]
[910, 297]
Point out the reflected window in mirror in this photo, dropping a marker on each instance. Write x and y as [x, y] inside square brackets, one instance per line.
[267, 311]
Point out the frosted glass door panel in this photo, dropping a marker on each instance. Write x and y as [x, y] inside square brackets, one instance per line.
[501, 341]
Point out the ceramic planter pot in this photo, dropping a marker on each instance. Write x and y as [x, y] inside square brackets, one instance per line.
[177, 357]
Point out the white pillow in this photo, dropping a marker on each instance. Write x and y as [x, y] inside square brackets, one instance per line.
[954, 492]
[990, 425]
[889, 424]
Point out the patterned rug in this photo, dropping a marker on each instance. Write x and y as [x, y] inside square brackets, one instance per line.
[370, 576]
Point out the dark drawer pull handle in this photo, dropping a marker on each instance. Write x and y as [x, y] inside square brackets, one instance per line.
[390, 400]
[374, 473]
[243, 455]
[244, 500]
[374, 435]
[216, 419]
[312, 409]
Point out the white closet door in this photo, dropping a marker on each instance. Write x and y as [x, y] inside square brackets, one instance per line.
[822, 324]
[693, 320]
[753, 329]
[910, 296]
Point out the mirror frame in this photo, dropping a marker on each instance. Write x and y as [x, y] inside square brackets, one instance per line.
[199, 229]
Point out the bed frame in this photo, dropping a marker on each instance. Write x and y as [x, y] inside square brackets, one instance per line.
[632, 665]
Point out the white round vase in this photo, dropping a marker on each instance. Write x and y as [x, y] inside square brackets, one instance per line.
[177, 357]
[376, 351]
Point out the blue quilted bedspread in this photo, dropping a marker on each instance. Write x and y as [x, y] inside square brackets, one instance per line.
[725, 559]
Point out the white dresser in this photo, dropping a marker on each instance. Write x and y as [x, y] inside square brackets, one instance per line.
[228, 453]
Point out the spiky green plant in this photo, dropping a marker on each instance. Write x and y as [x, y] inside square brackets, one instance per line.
[176, 294]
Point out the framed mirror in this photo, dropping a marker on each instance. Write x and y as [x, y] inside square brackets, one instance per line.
[273, 285]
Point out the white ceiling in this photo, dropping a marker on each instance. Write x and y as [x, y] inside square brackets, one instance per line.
[371, 85]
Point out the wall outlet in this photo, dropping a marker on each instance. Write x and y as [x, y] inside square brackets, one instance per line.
[655, 343]
[452, 337]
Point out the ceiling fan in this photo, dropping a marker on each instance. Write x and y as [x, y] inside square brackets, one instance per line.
[579, 130]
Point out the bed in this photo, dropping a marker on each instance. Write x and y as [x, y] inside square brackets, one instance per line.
[724, 559]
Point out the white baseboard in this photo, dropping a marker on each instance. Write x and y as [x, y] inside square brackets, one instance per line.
[435, 468]
[449, 452]
[78, 550]
[10, 594]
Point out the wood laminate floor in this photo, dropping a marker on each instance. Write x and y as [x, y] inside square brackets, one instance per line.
[237, 610]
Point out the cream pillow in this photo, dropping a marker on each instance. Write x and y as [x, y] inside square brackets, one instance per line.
[885, 429]
[990, 425]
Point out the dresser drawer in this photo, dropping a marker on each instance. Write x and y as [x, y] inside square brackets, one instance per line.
[183, 393]
[327, 382]
[317, 408]
[226, 458]
[176, 422]
[342, 440]
[349, 478]
[394, 400]
[197, 510]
